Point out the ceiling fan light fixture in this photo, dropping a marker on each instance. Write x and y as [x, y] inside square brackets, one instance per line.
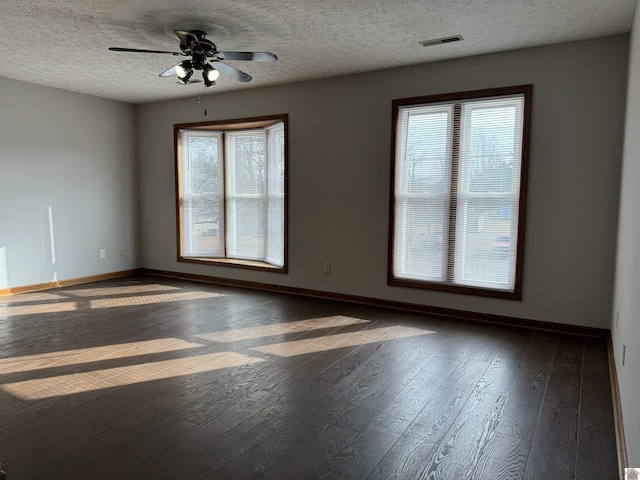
[210, 75]
[185, 79]
[184, 70]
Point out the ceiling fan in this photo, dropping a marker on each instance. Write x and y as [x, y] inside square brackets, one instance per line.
[206, 57]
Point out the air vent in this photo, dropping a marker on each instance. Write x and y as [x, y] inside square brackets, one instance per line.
[439, 41]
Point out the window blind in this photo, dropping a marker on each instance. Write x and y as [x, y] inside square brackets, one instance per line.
[202, 199]
[246, 194]
[422, 192]
[488, 193]
[275, 227]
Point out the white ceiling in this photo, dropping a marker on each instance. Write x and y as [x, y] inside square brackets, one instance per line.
[63, 43]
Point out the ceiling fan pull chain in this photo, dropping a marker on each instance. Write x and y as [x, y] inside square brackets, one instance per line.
[205, 101]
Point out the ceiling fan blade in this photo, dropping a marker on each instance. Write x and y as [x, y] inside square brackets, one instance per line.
[255, 56]
[136, 50]
[230, 71]
[169, 72]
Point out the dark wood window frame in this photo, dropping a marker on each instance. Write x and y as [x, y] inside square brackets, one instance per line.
[226, 126]
[452, 98]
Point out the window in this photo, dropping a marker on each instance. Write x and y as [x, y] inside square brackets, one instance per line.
[231, 182]
[458, 191]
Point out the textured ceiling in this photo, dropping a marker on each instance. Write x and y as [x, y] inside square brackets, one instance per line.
[64, 43]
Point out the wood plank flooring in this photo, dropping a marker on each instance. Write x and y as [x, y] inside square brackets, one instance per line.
[152, 378]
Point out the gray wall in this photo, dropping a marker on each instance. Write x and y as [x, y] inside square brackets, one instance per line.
[626, 305]
[339, 176]
[68, 185]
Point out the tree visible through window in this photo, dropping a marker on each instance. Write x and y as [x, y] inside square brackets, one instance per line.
[458, 191]
[232, 192]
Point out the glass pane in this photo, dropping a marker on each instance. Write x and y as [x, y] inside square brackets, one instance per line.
[491, 145]
[246, 175]
[488, 190]
[423, 165]
[202, 213]
[275, 235]
[247, 163]
[246, 222]
[275, 196]
[425, 155]
[486, 242]
[201, 223]
[421, 238]
[203, 164]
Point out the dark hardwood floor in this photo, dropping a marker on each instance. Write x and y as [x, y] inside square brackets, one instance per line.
[152, 378]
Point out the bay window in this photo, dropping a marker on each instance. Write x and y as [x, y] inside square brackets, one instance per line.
[231, 188]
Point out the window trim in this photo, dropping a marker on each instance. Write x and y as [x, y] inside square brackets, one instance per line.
[516, 294]
[225, 126]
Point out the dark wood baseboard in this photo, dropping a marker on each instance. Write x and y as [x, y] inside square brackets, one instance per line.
[67, 283]
[621, 442]
[377, 302]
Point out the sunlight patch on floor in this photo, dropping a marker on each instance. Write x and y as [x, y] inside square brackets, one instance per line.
[38, 309]
[341, 340]
[151, 299]
[122, 290]
[250, 333]
[66, 358]
[121, 376]
[31, 297]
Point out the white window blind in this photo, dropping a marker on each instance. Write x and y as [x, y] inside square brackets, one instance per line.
[275, 227]
[488, 193]
[246, 194]
[202, 199]
[457, 192]
[423, 191]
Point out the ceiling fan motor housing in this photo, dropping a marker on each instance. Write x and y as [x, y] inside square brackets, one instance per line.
[198, 60]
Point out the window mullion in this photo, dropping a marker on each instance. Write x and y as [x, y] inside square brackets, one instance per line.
[265, 216]
[453, 193]
[225, 196]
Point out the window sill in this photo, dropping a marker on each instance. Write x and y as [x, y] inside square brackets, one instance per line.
[461, 289]
[236, 263]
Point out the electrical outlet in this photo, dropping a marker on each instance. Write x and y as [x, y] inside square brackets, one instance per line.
[123, 252]
[102, 253]
[624, 353]
[327, 268]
